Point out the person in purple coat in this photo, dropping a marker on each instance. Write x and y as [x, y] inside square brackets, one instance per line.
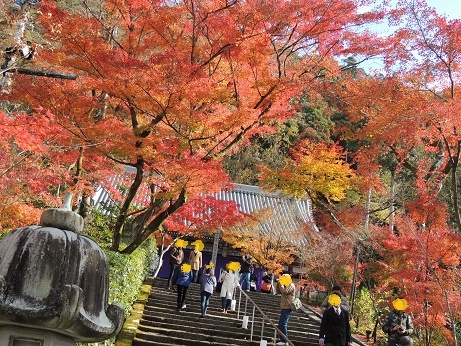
[182, 278]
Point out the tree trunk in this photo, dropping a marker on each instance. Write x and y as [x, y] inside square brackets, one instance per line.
[454, 186]
[163, 251]
[84, 207]
[155, 224]
[140, 221]
[118, 228]
[392, 206]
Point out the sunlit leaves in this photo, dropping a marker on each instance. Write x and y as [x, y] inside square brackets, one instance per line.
[314, 169]
[422, 262]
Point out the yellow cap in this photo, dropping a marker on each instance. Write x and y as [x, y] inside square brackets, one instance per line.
[400, 304]
[285, 280]
[186, 268]
[334, 300]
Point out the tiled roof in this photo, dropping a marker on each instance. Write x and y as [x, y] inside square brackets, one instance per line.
[287, 215]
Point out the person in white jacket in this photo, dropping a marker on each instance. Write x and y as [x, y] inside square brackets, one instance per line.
[230, 280]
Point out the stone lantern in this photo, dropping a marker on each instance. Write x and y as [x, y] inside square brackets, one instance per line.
[54, 284]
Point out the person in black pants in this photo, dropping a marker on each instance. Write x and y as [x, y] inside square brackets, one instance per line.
[176, 259]
[335, 329]
[245, 272]
[182, 278]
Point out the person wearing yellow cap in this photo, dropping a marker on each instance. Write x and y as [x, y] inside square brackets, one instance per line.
[344, 302]
[398, 324]
[230, 280]
[182, 278]
[286, 288]
[335, 329]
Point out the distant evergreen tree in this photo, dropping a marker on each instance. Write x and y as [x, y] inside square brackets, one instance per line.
[272, 149]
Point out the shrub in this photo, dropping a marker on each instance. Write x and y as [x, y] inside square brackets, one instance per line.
[127, 273]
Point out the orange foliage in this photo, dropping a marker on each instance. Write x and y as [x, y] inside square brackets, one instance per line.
[269, 247]
[170, 88]
[422, 263]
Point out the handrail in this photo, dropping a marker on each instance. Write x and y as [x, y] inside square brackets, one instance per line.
[265, 317]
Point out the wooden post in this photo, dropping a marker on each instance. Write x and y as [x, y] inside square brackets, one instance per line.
[214, 254]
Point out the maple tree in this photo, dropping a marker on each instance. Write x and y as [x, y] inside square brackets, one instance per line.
[422, 263]
[317, 170]
[326, 259]
[408, 124]
[269, 247]
[169, 88]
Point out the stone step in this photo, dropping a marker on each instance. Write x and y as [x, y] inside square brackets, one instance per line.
[235, 331]
[162, 324]
[155, 315]
[270, 305]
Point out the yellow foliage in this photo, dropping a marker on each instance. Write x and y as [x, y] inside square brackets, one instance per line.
[269, 247]
[315, 169]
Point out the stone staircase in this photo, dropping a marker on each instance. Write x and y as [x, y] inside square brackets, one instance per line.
[162, 324]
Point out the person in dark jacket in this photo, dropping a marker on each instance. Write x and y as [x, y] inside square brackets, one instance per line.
[207, 285]
[182, 278]
[344, 302]
[335, 329]
[245, 272]
[176, 259]
[397, 324]
[266, 285]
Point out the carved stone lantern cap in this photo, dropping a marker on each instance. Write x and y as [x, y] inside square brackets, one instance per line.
[64, 217]
[53, 278]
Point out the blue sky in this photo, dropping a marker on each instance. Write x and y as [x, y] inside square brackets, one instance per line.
[450, 8]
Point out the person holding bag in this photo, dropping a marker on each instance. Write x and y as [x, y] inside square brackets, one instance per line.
[266, 285]
[230, 280]
[286, 288]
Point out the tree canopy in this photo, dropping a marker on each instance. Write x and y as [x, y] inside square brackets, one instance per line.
[168, 92]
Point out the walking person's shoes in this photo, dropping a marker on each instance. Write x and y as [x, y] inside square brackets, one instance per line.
[281, 343]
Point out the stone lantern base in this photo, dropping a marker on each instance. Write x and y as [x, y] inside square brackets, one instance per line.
[20, 336]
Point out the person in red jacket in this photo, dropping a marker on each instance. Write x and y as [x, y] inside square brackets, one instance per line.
[335, 329]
